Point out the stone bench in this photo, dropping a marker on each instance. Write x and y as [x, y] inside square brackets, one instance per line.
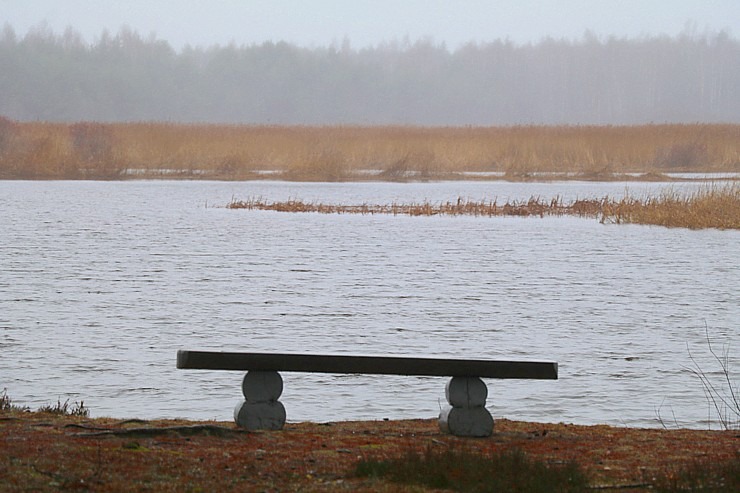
[466, 393]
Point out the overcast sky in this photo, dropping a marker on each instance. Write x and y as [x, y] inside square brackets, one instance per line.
[314, 23]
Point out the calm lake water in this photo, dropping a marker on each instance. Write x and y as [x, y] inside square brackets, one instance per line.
[102, 282]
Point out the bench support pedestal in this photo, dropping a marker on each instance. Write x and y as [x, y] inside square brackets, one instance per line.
[465, 416]
[261, 409]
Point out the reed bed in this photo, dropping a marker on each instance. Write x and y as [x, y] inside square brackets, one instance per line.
[710, 207]
[714, 207]
[89, 150]
[461, 207]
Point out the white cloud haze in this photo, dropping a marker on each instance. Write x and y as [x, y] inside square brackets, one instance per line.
[369, 22]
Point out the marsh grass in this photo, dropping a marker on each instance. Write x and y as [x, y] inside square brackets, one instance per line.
[60, 408]
[6, 404]
[459, 470]
[66, 409]
[337, 153]
[535, 206]
[716, 206]
[712, 207]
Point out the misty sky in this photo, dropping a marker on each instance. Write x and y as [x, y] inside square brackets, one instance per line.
[370, 22]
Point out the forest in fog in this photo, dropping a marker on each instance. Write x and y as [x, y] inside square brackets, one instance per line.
[692, 77]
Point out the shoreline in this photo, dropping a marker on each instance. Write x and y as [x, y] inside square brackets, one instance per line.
[48, 452]
[134, 175]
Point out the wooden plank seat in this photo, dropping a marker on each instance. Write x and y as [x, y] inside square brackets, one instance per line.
[466, 393]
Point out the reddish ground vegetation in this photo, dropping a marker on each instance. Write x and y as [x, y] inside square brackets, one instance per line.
[45, 452]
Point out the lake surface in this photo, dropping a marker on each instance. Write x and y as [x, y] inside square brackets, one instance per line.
[102, 282]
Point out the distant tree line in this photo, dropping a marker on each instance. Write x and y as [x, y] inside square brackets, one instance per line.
[126, 77]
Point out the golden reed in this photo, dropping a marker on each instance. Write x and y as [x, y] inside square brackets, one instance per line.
[38, 150]
[461, 207]
[710, 207]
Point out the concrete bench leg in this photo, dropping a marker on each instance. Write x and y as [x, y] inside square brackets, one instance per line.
[466, 416]
[261, 409]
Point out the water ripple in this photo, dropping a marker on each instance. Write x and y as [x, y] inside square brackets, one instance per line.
[108, 280]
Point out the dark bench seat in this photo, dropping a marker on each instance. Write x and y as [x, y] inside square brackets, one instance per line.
[466, 393]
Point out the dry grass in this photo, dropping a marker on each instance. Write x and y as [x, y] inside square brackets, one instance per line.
[465, 471]
[462, 207]
[125, 150]
[710, 207]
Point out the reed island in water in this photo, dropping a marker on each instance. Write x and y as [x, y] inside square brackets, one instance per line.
[120, 151]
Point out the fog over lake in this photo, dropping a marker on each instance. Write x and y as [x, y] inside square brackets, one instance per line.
[102, 282]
